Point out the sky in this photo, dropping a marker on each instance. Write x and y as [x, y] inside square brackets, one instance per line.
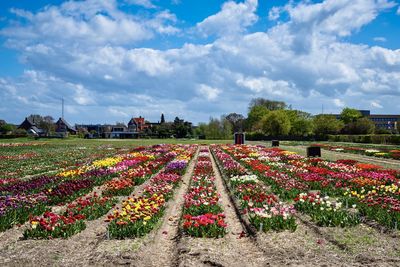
[112, 60]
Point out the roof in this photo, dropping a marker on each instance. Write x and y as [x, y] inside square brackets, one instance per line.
[69, 127]
[36, 130]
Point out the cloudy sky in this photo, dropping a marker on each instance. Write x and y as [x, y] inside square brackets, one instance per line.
[111, 60]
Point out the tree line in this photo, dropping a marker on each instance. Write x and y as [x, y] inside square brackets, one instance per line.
[276, 118]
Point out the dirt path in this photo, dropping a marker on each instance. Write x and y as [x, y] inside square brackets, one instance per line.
[228, 251]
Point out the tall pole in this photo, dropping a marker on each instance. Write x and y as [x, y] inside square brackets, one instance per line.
[62, 114]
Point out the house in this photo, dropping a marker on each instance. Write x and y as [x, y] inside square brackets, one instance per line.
[137, 125]
[62, 126]
[30, 126]
[121, 131]
[95, 130]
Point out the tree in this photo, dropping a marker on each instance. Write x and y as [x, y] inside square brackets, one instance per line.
[349, 115]
[181, 128]
[361, 126]
[162, 118]
[236, 120]
[217, 129]
[269, 104]
[276, 123]
[301, 123]
[327, 124]
[6, 128]
[254, 117]
[302, 127]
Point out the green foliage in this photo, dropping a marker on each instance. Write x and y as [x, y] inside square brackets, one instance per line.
[327, 124]
[361, 126]
[236, 120]
[269, 104]
[276, 123]
[6, 128]
[255, 116]
[301, 123]
[349, 115]
[275, 223]
[216, 129]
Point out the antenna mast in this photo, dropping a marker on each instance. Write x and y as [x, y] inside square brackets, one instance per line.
[62, 113]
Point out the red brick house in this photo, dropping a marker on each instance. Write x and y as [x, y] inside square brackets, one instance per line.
[137, 125]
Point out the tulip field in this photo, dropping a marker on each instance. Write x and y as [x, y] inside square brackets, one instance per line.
[193, 205]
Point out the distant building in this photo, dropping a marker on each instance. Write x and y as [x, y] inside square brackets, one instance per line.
[137, 125]
[62, 126]
[95, 130]
[30, 126]
[382, 121]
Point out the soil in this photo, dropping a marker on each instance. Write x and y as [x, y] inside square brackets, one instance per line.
[309, 245]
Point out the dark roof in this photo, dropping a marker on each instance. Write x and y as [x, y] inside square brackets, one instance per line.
[69, 127]
[132, 122]
[26, 124]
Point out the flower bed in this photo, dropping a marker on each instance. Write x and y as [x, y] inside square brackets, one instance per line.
[350, 182]
[203, 215]
[380, 153]
[136, 218]
[17, 209]
[91, 207]
[52, 225]
[139, 214]
[118, 187]
[263, 210]
[324, 212]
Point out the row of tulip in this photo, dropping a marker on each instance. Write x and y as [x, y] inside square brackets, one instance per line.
[52, 225]
[203, 215]
[290, 175]
[70, 222]
[381, 152]
[138, 215]
[19, 161]
[264, 211]
[68, 185]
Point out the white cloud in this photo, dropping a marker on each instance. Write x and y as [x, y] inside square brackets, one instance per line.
[303, 61]
[115, 111]
[144, 3]
[379, 39]
[82, 95]
[398, 11]
[339, 103]
[85, 23]
[208, 92]
[274, 13]
[339, 17]
[232, 19]
[376, 104]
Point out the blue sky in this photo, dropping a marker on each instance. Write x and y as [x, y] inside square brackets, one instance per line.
[111, 60]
